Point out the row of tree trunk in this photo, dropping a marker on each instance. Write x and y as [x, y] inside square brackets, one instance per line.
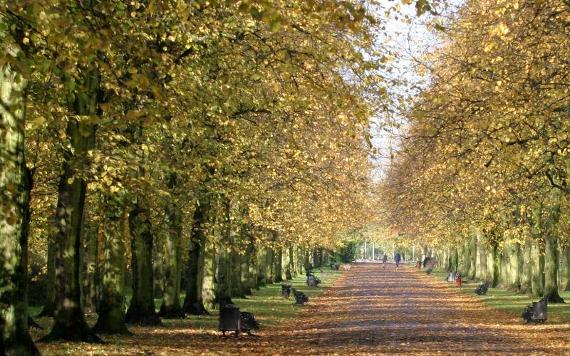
[538, 267]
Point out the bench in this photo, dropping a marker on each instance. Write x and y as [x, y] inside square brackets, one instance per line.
[231, 319]
[300, 297]
[536, 312]
[286, 290]
[247, 322]
[312, 280]
[482, 288]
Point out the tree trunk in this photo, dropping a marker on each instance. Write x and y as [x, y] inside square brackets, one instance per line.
[551, 265]
[514, 269]
[171, 307]
[193, 302]
[567, 255]
[537, 262]
[224, 267]
[237, 286]
[90, 291]
[307, 265]
[472, 256]
[270, 266]
[112, 305]
[465, 260]
[248, 276]
[69, 318]
[552, 255]
[480, 258]
[287, 258]
[158, 261]
[141, 309]
[292, 262]
[246, 271]
[208, 272]
[494, 270]
[15, 189]
[526, 277]
[49, 305]
[278, 266]
[223, 277]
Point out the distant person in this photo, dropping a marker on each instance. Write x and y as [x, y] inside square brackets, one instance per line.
[397, 258]
[384, 260]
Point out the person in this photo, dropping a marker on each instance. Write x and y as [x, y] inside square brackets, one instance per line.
[397, 258]
[384, 260]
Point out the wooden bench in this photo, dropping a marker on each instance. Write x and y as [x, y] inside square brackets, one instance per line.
[312, 280]
[300, 297]
[536, 312]
[232, 320]
[482, 288]
[286, 290]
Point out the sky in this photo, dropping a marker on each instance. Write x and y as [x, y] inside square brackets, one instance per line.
[406, 39]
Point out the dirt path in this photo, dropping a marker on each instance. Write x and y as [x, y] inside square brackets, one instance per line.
[369, 310]
[384, 310]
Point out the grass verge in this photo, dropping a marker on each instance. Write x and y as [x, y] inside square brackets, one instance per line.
[509, 301]
[269, 307]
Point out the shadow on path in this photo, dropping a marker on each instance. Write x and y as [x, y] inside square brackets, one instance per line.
[376, 310]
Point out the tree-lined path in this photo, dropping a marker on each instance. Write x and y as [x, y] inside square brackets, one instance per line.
[375, 310]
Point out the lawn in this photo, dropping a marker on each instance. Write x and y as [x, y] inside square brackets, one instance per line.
[511, 302]
[270, 309]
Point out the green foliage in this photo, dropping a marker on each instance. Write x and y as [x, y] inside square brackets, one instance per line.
[347, 252]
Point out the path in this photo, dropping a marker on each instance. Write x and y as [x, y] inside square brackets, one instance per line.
[384, 310]
[369, 310]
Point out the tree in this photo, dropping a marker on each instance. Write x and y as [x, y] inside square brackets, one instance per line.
[15, 188]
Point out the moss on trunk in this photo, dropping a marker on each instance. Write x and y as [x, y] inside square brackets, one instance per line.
[537, 276]
[141, 309]
[171, 253]
[69, 318]
[193, 302]
[15, 194]
[278, 266]
[112, 306]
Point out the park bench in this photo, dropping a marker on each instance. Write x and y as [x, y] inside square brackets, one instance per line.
[247, 322]
[300, 297]
[286, 290]
[312, 280]
[231, 319]
[536, 312]
[482, 288]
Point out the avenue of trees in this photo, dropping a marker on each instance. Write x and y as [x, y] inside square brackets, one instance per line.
[481, 179]
[176, 148]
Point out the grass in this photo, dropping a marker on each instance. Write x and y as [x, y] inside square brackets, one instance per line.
[272, 309]
[511, 302]
[267, 304]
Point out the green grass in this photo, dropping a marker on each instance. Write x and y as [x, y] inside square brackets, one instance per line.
[511, 302]
[267, 304]
[272, 309]
[269, 307]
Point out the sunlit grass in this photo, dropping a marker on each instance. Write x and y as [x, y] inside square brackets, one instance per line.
[511, 302]
[267, 304]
